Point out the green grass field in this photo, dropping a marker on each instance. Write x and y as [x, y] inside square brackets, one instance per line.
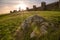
[9, 23]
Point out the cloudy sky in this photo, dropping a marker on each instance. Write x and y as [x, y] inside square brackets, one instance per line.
[7, 5]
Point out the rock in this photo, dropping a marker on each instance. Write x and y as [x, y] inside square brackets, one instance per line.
[42, 26]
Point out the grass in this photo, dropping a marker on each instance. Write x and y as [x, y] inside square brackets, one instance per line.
[9, 23]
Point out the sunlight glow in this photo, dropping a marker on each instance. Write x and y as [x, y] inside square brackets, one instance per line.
[22, 6]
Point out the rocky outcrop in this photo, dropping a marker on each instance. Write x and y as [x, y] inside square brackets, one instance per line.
[34, 26]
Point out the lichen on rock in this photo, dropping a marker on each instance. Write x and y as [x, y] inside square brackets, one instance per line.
[35, 26]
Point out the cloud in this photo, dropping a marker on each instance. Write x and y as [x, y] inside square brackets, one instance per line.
[7, 5]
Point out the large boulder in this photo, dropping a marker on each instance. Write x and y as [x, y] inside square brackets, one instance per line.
[34, 27]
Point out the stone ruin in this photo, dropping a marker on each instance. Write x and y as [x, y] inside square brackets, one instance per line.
[31, 24]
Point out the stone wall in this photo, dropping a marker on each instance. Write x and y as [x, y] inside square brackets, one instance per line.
[44, 6]
[59, 3]
[52, 6]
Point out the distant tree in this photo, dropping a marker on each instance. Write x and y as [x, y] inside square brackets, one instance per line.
[14, 11]
[34, 7]
[27, 8]
[11, 12]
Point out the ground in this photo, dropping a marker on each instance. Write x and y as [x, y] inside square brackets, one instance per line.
[10, 23]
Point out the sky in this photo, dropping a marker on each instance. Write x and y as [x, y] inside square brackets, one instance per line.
[7, 5]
